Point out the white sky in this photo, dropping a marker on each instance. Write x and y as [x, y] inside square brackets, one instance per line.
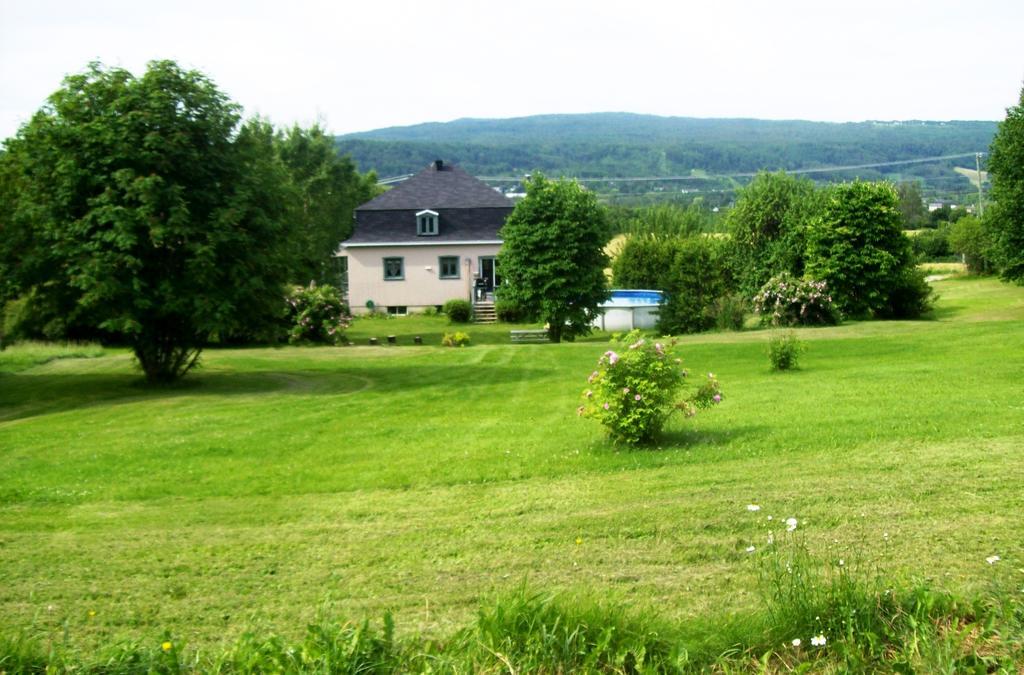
[364, 64]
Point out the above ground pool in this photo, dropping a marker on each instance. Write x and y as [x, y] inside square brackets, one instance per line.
[628, 309]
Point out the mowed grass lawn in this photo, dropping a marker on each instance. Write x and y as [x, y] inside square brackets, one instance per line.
[274, 484]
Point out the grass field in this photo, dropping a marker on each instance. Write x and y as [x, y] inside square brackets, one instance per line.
[276, 484]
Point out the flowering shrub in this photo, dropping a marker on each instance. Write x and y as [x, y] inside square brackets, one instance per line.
[317, 314]
[456, 339]
[786, 301]
[635, 389]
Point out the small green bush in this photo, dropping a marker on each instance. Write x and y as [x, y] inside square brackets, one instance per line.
[787, 301]
[317, 314]
[635, 389]
[509, 311]
[910, 297]
[932, 245]
[456, 339]
[37, 316]
[458, 310]
[971, 237]
[730, 311]
[784, 351]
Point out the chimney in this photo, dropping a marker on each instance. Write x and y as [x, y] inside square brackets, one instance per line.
[438, 165]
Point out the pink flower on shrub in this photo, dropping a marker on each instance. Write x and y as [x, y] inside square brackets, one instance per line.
[717, 398]
[644, 369]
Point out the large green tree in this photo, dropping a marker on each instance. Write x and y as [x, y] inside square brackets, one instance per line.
[768, 226]
[912, 208]
[553, 258]
[141, 207]
[329, 189]
[1006, 167]
[857, 245]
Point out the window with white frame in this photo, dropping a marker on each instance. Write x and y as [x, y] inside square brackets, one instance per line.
[426, 223]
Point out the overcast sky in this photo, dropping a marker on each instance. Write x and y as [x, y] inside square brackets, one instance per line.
[373, 63]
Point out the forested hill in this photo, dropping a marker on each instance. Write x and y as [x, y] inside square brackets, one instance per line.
[625, 144]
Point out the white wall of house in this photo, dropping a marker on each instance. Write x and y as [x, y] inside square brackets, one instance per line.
[421, 286]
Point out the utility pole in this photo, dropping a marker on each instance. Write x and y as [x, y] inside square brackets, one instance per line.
[977, 164]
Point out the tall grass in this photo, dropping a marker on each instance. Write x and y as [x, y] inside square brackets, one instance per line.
[868, 626]
[869, 623]
[23, 355]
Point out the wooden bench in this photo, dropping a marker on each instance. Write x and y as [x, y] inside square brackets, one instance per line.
[532, 335]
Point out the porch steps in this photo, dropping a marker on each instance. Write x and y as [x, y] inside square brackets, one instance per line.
[483, 312]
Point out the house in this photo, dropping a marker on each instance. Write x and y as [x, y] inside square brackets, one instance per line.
[432, 238]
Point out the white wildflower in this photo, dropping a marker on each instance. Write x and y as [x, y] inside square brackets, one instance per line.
[818, 640]
[791, 524]
[992, 559]
[753, 507]
[750, 549]
[796, 642]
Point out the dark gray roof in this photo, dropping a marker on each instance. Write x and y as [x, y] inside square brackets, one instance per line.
[438, 187]
[454, 226]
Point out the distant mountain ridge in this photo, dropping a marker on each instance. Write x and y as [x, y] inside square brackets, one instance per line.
[622, 144]
[638, 128]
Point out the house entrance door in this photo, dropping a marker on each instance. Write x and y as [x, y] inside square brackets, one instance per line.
[489, 272]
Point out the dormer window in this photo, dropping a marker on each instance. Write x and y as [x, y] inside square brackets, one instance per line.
[426, 223]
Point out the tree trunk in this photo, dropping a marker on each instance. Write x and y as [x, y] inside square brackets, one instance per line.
[163, 358]
[555, 330]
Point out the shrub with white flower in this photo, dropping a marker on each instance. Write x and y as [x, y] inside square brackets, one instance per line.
[636, 385]
[787, 301]
[317, 314]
